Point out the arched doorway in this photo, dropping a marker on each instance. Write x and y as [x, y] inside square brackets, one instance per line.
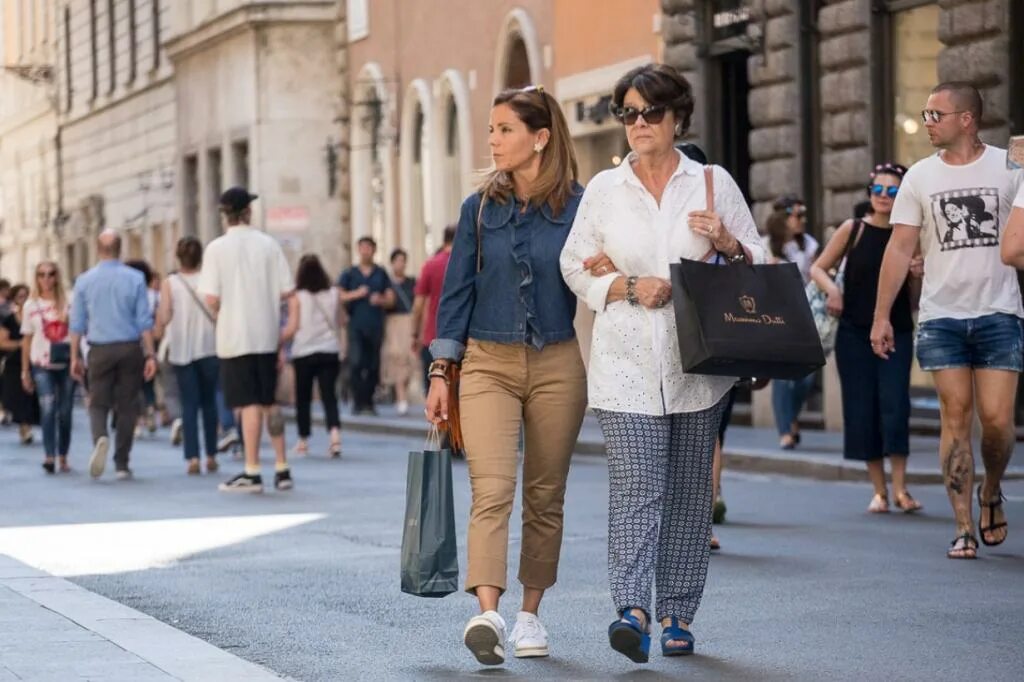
[455, 154]
[417, 172]
[371, 165]
[519, 53]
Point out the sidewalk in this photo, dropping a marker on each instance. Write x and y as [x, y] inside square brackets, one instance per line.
[54, 630]
[747, 448]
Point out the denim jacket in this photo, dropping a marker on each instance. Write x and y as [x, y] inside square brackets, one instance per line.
[519, 295]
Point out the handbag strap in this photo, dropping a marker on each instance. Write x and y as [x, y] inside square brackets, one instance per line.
[709, 200]
[323, 313]
[479, 235]
[850, 241]
[401, 294]
[195, 297]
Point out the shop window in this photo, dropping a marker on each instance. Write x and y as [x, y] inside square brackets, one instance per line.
[915, 55]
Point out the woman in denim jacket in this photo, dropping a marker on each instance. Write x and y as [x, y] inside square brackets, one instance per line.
[507, 315]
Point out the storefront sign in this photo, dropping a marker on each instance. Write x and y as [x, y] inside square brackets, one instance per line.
[287, 219]
[729, 19]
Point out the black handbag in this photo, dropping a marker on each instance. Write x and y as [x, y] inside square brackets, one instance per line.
[744, 321]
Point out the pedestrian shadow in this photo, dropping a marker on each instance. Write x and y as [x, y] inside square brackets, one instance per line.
[760, 525]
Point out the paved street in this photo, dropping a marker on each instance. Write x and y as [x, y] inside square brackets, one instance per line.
[808, 586]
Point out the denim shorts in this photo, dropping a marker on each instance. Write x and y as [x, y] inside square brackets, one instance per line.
[988, 342]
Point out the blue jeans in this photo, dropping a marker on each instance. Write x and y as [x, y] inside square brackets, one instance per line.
[224, 413]
[197, 383]
[986, 342]
[788, 396]
[56, 390]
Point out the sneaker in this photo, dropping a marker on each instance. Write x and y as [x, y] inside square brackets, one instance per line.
[242, 483]
[529, 639]
[485, 637]
[124, 475]
[228, 440]
[177, 430]
[402, 407]
[283, 480]
[98, 460]
[193, 467]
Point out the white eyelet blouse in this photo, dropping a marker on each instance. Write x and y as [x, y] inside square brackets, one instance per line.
[634, 357]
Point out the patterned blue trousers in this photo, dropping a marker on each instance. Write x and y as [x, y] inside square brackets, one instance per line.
[659, 508]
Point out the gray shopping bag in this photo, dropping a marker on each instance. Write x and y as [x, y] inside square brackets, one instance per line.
[430, 560]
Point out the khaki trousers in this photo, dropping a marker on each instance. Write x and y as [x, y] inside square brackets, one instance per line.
[504, 387]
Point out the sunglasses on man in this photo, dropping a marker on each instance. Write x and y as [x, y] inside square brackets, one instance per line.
[652, 115]
[934, 116]
[888, 190]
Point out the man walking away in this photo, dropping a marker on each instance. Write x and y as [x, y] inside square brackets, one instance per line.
[111, 310]
[244, 278]
[366, 292]
[955, 203]
[428, 297]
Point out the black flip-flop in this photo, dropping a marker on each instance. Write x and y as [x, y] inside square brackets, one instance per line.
[992, 506]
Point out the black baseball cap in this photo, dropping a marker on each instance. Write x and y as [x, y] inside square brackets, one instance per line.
[236, 198]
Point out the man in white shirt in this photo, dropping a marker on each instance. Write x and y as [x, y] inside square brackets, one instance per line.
[955, 203]
[244, 278]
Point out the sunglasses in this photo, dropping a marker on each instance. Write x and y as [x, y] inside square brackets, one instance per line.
[933, 116]
[539, 89]
[46, 273]
[890, 191]
[653, 114]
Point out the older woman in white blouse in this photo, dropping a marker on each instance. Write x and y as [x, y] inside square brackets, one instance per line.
[659, 423]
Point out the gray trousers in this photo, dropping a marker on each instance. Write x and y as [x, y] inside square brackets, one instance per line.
[115, 381]
[659, 508]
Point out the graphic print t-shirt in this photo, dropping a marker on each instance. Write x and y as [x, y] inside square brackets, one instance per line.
[962, 211]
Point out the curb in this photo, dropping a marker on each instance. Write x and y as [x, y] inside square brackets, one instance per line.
[751, 460]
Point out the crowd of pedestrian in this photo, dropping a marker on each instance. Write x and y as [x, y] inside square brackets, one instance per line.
[934, 246]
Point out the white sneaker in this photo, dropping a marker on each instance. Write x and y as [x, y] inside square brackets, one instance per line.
[98, 460]
[529, 639]
[485, 637]
[402, 407]
[177, 427]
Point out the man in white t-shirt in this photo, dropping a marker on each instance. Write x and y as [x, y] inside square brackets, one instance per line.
[1013, 241]
[956, 203]
[244, 278]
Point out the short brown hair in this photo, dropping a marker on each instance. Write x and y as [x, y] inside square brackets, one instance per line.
[658, 84]
[189, 252]
[965, 97]
[556, 179]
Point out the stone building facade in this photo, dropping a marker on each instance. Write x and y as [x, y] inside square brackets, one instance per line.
[29, 197]
[806, 96]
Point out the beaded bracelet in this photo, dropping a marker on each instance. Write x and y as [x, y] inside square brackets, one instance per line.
[631, 297]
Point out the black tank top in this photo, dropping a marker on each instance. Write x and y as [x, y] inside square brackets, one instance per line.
[860, 281]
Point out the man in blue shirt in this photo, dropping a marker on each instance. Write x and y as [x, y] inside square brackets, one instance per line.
[366, 291]
[111, 310]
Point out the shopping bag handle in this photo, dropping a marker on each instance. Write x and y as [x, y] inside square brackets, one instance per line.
[433, 439]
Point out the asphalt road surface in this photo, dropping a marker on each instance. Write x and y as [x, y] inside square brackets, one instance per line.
[808, 585]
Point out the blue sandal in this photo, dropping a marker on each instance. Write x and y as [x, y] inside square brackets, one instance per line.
[629, 638]
[673, 633]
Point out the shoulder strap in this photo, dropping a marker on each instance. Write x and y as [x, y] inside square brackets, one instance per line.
[479, 236]
[323, 313]
[400, 292]
[858, 224]
[195, 297]
[709, 202]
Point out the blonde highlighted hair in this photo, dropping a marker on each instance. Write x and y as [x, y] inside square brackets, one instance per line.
[556, 179]
[58, 286]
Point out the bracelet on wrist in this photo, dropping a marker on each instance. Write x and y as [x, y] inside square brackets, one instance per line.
[439, 366]
[631, 296]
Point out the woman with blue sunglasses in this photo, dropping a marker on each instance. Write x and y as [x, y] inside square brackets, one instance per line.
[876, 392]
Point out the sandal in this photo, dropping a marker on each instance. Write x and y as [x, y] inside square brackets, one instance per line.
[992, 506]
[879, 504]
[62, 465]
[673, 633]
[715, 544]
[630, 638]
[335, 451]
[301, 449]
[49, 466]
[906, 503]
[968, 548]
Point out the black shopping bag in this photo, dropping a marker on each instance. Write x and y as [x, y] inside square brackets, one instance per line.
[744, 321]
[430, 560]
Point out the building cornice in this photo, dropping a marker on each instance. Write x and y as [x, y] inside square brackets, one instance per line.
[106, 102]
[248, 17]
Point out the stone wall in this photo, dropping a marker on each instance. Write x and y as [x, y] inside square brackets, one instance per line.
[846, 100]
[977, 50]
